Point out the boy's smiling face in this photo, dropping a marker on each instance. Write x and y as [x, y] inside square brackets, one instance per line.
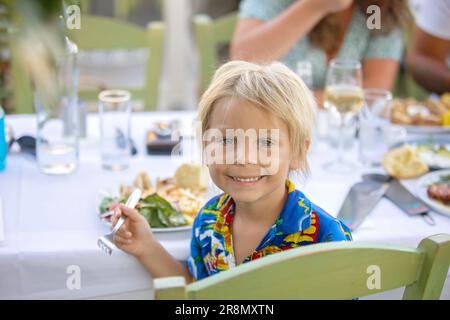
[252, 170]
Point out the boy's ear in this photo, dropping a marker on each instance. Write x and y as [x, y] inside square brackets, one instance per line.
[307, 145]
[297, 161]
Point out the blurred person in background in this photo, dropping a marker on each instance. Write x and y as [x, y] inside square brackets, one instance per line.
[429, 57]
[320, 30]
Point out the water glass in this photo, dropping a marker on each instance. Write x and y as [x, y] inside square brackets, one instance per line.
[57, 115]
[114, 115]
[376, 133]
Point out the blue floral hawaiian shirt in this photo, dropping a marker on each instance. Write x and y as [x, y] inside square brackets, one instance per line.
[300, 223]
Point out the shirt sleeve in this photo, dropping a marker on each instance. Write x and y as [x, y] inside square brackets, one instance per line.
[195, 262]
[386, 46]
[433, 18]
[262, 9]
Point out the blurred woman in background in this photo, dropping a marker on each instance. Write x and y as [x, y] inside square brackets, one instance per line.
[429, 56]
[320, 30]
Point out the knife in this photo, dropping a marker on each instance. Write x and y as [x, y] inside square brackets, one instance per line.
[406, 201]
[360, 200]
[402, 198]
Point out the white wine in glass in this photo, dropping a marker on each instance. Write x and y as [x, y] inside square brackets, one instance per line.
[344, 95]
[344, 98]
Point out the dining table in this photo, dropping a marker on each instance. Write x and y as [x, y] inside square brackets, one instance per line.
[51, 224]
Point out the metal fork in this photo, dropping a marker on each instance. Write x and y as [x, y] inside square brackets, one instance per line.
[106, 242]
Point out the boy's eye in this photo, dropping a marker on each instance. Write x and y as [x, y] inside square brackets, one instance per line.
[266, 142]
[226, 141]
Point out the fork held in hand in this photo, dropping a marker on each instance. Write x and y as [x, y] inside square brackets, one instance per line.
[106, 242]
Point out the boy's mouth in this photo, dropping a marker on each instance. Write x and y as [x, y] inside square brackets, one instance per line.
[246, 180]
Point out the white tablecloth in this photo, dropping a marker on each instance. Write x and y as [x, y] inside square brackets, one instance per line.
[51, 225]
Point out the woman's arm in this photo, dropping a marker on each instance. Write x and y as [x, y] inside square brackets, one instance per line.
[426, 61]
[259, 41]
[380, 73]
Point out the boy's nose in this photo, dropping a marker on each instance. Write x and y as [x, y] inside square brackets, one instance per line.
[247, 154]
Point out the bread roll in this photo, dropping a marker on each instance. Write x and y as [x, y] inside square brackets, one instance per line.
[404, 163]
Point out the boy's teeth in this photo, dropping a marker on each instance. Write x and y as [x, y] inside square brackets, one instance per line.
[254, 179]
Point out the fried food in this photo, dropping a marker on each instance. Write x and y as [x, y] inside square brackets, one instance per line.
[417, 113]
[445, 100]
[185, 192]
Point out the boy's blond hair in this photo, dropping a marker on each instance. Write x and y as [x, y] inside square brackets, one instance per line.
[273, 87]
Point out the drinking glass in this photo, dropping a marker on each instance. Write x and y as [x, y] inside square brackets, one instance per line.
[57, 114]
[343, 96]
[376, 133]
[305, 72]
[114, 114]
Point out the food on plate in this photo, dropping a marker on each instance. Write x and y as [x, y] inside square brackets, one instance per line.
[435, 155]
[158, 211]
[171, 202]
[404, 162]
[420, 113]
[440, 190]
[192, 176]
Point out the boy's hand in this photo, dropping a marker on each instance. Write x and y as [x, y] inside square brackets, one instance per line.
[135, 236]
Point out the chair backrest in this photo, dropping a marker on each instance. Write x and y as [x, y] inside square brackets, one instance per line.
[208, 34]
[102, 33]
[334, 270]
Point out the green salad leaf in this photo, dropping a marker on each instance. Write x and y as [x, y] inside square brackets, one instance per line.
[157, 211]
[444, 179]
[106, 202]
[160, 213]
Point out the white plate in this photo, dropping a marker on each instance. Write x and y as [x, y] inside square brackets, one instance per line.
[427, 129]
[158, 230]
[422, 185]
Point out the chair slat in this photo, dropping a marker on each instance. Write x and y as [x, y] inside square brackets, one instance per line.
[98, 32]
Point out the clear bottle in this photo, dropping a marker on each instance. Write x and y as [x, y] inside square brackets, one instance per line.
[57, 114]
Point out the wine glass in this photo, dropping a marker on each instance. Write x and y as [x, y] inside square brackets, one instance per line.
[344, 96]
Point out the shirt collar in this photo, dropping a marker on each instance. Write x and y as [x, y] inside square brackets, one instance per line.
[295, 216]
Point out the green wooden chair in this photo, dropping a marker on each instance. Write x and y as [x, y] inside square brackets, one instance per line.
[334, 270]
[101, 33]
[122, 9]
[208, 34]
